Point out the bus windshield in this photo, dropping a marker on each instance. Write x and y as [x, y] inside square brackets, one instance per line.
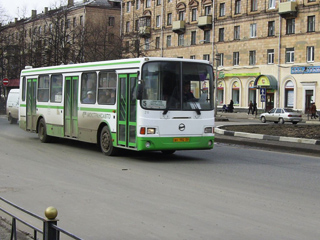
[177, 86]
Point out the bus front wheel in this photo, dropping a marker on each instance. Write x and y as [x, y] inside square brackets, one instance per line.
[42, 132]
[106, 145]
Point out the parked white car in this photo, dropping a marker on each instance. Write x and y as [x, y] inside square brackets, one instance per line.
[281, 115]
[13, 106]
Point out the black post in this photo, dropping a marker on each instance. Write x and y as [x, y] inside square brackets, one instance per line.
[49, 233]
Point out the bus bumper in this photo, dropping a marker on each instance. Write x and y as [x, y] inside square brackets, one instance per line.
[174, 143]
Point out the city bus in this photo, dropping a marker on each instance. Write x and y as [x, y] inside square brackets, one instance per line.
[141, 104]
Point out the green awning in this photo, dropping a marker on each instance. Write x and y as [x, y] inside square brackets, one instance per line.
[266, 81]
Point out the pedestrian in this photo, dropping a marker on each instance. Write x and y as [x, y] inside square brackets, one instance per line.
[250, 107]
[313, 111]
[254, 108]
[230, 107]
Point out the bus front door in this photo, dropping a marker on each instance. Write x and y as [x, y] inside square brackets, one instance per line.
[127, 105]
[31, 104]
[71, 107]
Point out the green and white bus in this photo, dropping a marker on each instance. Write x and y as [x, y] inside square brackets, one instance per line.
[139, 104]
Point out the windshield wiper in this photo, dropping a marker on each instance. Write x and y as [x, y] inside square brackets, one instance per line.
[195, 107]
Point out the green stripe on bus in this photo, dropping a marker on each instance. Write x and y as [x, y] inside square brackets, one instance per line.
[76, 67]
[97, 109]
[51, 107]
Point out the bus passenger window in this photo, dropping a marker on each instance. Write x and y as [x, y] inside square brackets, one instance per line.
[43, 88]
[88, 87]
[107, 88]
[56, 88]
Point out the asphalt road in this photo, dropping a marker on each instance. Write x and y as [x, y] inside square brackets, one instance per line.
[230, 192]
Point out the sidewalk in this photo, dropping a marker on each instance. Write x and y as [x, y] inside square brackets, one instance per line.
[292, 145]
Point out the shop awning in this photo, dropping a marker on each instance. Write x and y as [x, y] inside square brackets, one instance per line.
[267, 81]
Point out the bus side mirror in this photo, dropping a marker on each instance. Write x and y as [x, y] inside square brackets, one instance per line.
[140, 90]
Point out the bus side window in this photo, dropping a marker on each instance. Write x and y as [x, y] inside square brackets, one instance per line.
[107, 88]
[88, 87]
[56, 88]
[43, 88]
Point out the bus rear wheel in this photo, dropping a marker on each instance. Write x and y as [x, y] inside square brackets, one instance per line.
[106, 144]
[42, 132]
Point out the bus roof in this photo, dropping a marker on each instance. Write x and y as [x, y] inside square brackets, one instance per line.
[110, 64]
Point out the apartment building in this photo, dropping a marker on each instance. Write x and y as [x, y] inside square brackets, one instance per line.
[83, 31]
[268, 50]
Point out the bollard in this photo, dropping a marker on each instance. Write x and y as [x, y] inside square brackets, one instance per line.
[49, 233]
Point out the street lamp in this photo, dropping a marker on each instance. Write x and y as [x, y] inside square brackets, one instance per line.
[217, 58]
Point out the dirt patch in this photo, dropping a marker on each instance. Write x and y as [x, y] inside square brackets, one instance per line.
[285, 130]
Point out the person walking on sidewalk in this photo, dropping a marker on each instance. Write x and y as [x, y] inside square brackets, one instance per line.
[230, 107]
[313, 111]
[250, 107]
[254, 108]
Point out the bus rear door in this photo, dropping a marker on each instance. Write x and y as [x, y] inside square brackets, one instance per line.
[127, 108]
[71, 106]
[31, 104]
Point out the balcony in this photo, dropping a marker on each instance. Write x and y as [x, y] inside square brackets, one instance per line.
[178, 26]
[288, 8]
[205, 22]
[145, 31]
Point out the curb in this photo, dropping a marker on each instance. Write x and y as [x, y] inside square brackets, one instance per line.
[265, 137]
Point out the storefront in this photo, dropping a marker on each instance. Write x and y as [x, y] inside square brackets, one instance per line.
[270, 84]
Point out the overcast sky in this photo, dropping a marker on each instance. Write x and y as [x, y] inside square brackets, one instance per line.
[22, 8]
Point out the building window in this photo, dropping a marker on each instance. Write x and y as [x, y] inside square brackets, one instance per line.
[136, 25]
[311, 23]
[74, 22]
[111, 21]
[127, 27]
[252, 92]
[272, 4]
[207, 10]
[207, 36]
[289, 55]
[311, 0]
[220, 59]
[236, 92]
[128, 6]
[289, 94]
[254, 5]
[271, 29]
[194, 14]
[310, 54]
[181, 15]
[236, 32]
[169, 19]
[81, 20]
[158, 20]
[169, 41]
[147, 44]
[206, 57]
[253, 30]
[252, 57]
[222, 9]
[290, 26]
[221, 34]
[238, 7]
[157, 42]
[181, 40]
[193, 57]
[158, 2]
[270, 54]
[236, 59]
[220, 92]
[137, 4]
[148, 3]
[193, 37]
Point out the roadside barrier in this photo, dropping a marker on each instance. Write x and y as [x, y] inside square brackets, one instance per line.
[50, 230]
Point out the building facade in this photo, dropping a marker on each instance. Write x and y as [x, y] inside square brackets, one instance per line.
[264, 51]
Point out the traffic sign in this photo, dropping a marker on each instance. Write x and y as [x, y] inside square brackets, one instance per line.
[263, 98]
[5, 81]
[263, 91]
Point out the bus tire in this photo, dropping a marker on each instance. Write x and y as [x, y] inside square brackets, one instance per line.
[168, 152]
[42, 132]
[106, 144]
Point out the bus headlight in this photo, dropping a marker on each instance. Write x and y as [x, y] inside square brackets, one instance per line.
[151, 131]
[148, 144]
[210, 143]
[208, 130]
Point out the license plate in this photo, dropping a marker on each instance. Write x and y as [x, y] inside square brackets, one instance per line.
[181, 139]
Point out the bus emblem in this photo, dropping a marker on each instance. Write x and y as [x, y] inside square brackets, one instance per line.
[182, 127]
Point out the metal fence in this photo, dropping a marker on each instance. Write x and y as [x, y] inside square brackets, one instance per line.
[49, 231]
